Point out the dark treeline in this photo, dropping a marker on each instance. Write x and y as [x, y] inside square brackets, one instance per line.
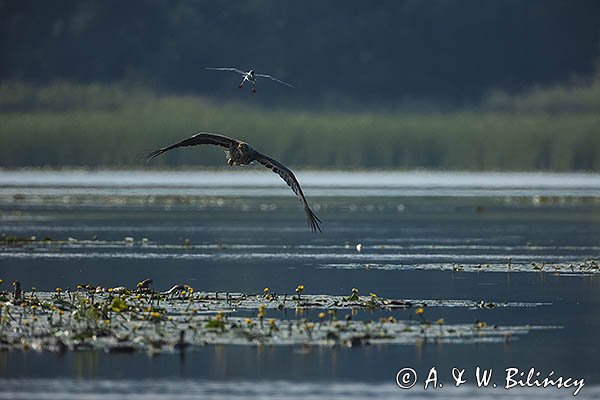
[353, 50]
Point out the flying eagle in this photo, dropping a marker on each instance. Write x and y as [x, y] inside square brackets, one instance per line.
[240, 153]
[249, 76]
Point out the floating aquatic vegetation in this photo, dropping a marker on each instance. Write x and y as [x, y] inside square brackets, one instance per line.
[142, 319]
[581, 268]
[457, 257]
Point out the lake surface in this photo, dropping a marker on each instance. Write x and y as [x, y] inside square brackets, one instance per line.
[497, 237]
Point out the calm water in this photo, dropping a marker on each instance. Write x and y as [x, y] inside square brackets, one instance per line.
[442, 236]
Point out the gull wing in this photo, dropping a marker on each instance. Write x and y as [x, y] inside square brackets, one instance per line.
[274, 79]
[239, 71]
[198, 138]
[289, 178]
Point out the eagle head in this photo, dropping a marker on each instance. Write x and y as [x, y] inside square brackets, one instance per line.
[243, 146]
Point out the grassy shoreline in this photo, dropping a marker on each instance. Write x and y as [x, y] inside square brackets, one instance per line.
[93, 126]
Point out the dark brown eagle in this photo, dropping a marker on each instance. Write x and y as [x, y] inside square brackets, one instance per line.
[240, 153]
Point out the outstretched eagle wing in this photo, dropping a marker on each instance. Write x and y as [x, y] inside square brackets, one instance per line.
[239, 71]
[274, 79]
[289, 178]
[198, 138]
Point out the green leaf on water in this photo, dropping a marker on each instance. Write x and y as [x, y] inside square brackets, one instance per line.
[215, 324]
[118, 305]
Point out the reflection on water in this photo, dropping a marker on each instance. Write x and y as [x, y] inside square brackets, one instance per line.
[259, 177]
[422, 236]
[217, 390]
[258, 182]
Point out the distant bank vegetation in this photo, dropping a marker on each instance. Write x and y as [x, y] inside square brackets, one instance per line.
[64, 124]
